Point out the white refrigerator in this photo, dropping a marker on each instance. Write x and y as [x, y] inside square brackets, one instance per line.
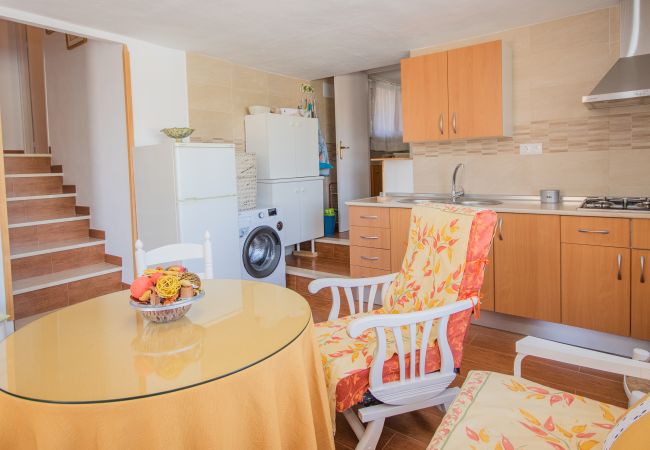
[183, 190]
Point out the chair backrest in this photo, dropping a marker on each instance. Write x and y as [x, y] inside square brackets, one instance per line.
[174, 253]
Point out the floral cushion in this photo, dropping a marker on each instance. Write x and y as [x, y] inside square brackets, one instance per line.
[497, 411]
[339, 350]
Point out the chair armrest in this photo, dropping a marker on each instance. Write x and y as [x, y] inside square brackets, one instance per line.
[555, 351]
[395, 321]
[358, 326]
[321, 283]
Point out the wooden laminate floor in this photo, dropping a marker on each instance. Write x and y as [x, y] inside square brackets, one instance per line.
[485, 349]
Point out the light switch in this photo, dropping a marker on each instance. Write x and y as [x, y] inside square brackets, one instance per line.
[530, 149]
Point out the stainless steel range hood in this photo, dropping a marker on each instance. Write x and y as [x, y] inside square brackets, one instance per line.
[628, 81]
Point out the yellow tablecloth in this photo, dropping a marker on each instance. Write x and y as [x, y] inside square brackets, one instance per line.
[279, 403]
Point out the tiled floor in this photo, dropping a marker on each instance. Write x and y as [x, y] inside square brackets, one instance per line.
[485, 349]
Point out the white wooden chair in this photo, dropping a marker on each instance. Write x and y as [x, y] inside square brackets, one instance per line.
[174, 253]
[409, 393]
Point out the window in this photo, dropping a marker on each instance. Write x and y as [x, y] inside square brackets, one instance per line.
[386, 117]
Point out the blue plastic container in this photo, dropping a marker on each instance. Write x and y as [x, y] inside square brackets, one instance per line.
[330, 223]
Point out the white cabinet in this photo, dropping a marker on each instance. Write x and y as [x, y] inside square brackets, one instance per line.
[299, 203]
[285, 146]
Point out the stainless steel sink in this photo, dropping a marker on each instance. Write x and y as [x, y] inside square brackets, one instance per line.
[478, 202]
[467, 201]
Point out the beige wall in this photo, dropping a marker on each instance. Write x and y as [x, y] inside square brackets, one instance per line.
[586, 152]
[220, 92]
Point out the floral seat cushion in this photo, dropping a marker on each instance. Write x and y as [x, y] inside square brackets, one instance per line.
[351, 389]
[497, 411]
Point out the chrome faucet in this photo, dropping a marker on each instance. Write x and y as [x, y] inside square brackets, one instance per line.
[456, 192]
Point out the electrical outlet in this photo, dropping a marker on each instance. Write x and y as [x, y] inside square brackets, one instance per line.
[530, 149]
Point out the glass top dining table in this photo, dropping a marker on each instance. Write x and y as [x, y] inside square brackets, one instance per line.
[102, 350]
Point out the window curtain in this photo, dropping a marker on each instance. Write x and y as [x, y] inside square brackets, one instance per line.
[386, 117]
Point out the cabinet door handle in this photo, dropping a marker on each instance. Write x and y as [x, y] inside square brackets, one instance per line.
[583, 230]
[642, 280]
[370, 217]
[370, 258]
[500, 229]
[369, 237]
[619, 259]
[453, 122]
[441, 126]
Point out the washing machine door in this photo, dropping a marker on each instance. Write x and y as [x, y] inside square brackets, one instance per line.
[261, 252]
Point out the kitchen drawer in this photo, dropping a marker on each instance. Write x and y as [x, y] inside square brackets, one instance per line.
[374, 237]
[641, 233]
[375, 258]
[606, 231]
[365, 272]
[369, 216]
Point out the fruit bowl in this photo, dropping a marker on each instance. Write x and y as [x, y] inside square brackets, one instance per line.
[163, 295]
[167, 313]
[177, 133]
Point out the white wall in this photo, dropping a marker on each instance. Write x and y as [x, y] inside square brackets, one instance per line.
[10, 87]
[159, 84]
[158, 76]
[85, 103]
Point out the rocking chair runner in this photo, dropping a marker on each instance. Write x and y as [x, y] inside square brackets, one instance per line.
[426, 309]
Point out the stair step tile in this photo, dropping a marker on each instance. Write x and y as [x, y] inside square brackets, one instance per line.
[48, 233]
[19, 185]
[64, 277]
[41, 208]
[34, 249]
[27, 163]
[47, 263]
[61, 295]
[14, 152]
[49, 221]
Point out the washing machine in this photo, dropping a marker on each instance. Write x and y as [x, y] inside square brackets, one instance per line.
[261, 248]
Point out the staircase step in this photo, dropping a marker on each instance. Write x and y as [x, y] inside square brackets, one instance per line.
[33, 184]
[13, 152]
[49, 232]
[27, 163]
[49, 221]
[64, 277]
[65, 288]
[56, 261]
[25, 251]
[41, 207]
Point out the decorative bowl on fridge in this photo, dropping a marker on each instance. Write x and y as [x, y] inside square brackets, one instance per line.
[178, 133]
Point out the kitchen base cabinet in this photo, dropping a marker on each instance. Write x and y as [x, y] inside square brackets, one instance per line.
[400, 221]
[527, 266]
[640, 294]
[487, 290]
[596, 288]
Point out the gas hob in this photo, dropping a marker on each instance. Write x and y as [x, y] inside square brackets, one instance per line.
[641, 204]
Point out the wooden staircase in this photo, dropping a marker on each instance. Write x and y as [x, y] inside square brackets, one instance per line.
[56, 259]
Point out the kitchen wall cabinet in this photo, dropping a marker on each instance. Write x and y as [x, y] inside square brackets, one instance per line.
[463, 93]
[299, 203]
[285, 146]
[596, 287]
[527, 266]
[425, 105]
[640, 305]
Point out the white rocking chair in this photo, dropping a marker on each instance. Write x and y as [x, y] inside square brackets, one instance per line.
[420, 389]
[174, 253]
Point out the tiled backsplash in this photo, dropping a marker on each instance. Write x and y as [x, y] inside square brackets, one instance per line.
[611, 131]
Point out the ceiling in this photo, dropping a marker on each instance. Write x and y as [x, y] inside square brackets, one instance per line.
[304, 38]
